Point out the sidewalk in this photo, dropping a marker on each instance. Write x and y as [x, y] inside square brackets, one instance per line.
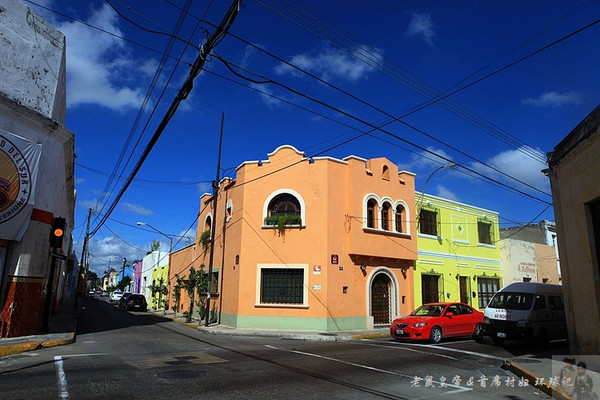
[62, 327]
[540, 372]
[544, 373]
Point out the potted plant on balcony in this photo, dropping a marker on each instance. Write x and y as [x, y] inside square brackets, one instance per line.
[283, 221]
[205, 240]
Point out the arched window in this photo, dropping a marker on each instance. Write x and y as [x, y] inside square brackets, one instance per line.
[207, 223]
[371, 206]
[385, 173]
[385, 216]
[399, 219]
[284, 206]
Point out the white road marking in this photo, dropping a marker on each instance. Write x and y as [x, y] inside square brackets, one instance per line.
[62, 378]
[437, 346]
[472, 353]
[444, 384]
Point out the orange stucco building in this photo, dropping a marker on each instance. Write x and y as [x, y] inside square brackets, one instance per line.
[316, 244]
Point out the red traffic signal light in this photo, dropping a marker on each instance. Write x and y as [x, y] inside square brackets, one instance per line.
[57, 233]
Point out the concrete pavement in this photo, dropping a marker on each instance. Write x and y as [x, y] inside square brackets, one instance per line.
[540, 372]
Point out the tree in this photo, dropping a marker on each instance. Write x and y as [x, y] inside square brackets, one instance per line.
[177, 293]
[194, 283]
[154, 246]
[160, 290]
[125, 282]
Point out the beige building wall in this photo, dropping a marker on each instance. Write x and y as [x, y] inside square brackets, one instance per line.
[573, 171]
[547, 264]
[518, 261]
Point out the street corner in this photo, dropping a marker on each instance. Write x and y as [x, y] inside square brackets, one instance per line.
[18, 348]
[59, 341]
[540, 374]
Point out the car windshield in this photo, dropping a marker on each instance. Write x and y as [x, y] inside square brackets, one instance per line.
[428, 310]
[512, 300]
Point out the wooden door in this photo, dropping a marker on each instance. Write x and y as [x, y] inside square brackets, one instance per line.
[380, 299]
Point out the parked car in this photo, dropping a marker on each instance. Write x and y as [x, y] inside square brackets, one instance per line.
[115, 296]
[104, 293]
[527, 311]
[434, 321]
[123, 300]
[136, 302]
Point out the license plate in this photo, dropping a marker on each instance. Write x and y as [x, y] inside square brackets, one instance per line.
[501, 334]
[399, 332]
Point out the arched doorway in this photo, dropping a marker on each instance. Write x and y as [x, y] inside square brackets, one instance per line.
[381, 298]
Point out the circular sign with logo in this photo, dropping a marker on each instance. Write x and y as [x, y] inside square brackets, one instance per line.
[15, 180]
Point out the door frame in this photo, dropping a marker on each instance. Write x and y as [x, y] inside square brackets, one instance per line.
[394, 293]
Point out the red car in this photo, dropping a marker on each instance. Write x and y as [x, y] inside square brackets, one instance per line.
[434, 321]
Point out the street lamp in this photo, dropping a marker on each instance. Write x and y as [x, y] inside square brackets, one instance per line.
[170, 251]
[449, 165]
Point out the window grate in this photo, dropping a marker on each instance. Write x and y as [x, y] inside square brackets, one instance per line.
[282, 286]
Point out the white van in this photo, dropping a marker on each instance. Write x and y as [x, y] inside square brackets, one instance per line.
[526, 311]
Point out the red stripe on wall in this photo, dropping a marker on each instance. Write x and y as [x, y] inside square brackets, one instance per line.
[45, 217]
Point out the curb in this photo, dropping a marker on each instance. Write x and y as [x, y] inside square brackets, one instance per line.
[370, 336]
[554, 392]
[18, 348]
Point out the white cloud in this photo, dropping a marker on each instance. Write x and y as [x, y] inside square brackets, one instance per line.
[108, 252]
[444, 192]
[93, 204]
[421, 25]
[136, 209]
[426, 160]
[518, 164]
[97, 63]
[553, 99]
[334, 64]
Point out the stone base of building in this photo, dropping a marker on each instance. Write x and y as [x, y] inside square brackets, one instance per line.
[22, 307]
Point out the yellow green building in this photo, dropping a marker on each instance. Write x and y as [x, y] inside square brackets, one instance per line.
[160, 277]
[458, 252]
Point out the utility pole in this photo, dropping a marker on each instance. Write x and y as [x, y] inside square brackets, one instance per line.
[215, 188]
[85, 242]
[182, 94]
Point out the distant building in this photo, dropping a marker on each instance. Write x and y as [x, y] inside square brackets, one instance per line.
[311, 244]
[530, 253]
[573, 169]
[36, 171]
[152, 263]
[459, 255]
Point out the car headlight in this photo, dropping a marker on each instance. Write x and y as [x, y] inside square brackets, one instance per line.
[420, 324]
[486, 320]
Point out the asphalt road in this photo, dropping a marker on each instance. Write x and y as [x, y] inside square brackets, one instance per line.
[132, 355]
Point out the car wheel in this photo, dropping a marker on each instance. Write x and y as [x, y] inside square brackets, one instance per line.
[478, 333]
[436, 334]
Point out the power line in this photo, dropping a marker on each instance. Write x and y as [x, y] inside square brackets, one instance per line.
[181, 95]
[380, 128]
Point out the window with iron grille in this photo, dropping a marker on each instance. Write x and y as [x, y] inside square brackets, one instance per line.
[484, 229]
[399, 211]
[428, 222]
[385, 217]
[371, 213]
[282, 286]
[487, 287]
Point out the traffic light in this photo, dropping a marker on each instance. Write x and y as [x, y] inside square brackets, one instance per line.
[58, 232]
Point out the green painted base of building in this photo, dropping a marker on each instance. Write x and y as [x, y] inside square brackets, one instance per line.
[294, 323]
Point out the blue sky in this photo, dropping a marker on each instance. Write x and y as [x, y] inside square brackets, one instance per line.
[492, 86]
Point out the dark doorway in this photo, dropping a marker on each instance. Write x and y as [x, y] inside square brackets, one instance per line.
[380, 299]
[429, 285]
[464, 292]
